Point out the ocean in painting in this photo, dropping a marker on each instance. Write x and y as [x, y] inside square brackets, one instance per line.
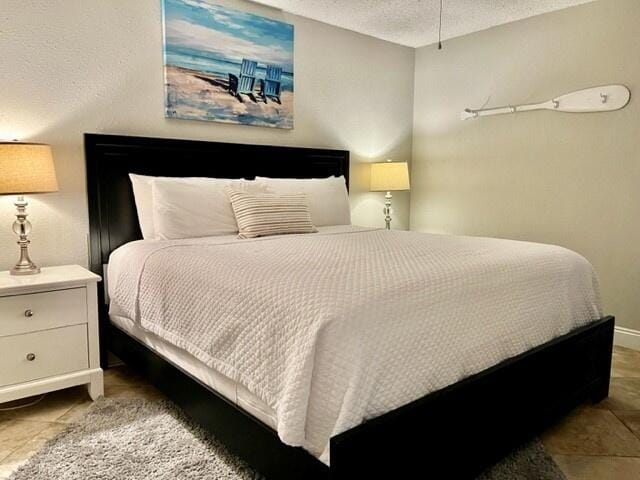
[227, 66]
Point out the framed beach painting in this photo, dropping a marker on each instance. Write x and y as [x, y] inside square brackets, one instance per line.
[226, 65]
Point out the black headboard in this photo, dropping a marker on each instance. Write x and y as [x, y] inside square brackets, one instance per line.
[113, 220]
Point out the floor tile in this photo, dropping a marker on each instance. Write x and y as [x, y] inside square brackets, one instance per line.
[122, 375]
[577, 467]
[624, 394]
[50, 408]
[139, 391]
[631, 420]
[76, 412]
[15, 433]
[6, 471]
[590, 431]
[27, 450]
[626, 363]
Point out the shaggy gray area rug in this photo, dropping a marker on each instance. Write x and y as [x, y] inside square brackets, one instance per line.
[531, 462]
[138, 439]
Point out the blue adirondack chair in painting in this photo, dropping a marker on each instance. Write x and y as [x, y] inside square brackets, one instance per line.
[270, 87]
[245, 82]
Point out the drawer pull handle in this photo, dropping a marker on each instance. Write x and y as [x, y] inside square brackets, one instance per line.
[28, 313]
[31, 357]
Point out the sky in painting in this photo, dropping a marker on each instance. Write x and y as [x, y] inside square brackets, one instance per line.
[200, 27]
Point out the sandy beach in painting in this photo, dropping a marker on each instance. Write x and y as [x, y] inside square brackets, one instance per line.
[199, 96]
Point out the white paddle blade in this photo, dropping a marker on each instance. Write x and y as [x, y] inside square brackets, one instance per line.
[598, 99]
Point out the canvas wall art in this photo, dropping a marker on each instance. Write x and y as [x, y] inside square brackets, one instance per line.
[228, 66]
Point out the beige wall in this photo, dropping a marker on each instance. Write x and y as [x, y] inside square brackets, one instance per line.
[568, 179]
[72, 66]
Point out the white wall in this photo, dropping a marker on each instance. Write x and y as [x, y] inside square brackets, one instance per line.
[72, 66]
[566, 179]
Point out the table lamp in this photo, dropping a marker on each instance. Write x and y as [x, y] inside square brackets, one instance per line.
[387, 177]
[25, 168]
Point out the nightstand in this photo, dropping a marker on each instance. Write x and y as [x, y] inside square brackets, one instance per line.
[49, 332]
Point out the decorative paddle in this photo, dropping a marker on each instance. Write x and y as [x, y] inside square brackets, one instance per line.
[598, 99]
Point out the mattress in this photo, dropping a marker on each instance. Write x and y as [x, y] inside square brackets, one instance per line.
[331, 329]
[228, 388]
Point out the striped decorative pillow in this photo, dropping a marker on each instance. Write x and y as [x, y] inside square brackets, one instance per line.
[262, 214]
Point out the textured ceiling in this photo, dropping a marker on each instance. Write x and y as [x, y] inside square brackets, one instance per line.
[415, 22]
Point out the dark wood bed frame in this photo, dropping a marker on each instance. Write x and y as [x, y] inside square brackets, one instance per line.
[453, 433]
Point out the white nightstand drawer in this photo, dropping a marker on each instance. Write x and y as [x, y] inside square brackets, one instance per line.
[43, 354]
[42, 311]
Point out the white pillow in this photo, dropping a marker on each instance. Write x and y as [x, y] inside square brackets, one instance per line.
[328, 198]
[143, 196]
[196, 207]
[144, 203]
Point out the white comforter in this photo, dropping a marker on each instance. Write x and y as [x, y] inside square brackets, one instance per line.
[334, 328]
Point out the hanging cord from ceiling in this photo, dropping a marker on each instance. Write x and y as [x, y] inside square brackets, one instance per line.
[440, 28]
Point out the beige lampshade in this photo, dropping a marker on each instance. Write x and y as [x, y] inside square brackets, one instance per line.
[26, 168]
[389, 176]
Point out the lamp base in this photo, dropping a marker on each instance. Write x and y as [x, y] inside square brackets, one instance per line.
[22, 228]
[387, 210]
[31, 269]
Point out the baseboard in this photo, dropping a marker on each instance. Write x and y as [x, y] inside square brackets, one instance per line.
[626, 337]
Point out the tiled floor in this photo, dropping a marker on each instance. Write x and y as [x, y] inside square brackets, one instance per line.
[595, 442]
[602, 442]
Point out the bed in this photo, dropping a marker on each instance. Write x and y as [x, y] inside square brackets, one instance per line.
[482, 397]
